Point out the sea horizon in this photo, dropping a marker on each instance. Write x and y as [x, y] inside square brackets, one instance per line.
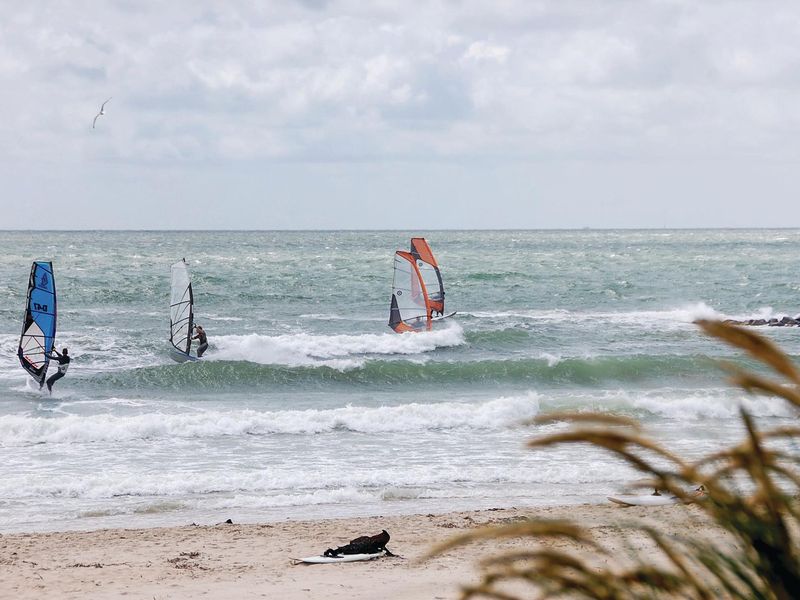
[403, 229]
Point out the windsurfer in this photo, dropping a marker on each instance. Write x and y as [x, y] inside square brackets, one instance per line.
[63, 364]
[201, 337]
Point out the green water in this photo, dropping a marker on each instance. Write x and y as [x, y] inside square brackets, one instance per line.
[307, 403]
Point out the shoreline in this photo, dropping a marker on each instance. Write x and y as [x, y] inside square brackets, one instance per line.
[145, 519]
[255, 560]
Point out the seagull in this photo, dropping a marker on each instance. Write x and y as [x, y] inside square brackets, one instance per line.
[101, 113]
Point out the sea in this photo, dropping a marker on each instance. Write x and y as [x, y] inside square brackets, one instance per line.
[308, 406]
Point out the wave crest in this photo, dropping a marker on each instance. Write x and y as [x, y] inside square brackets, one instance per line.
[334, 350]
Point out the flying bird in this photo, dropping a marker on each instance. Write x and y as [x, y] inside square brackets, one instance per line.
[101, 113]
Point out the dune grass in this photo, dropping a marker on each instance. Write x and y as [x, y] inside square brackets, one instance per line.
[751, 493]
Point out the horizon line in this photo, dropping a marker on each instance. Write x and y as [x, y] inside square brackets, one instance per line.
[371, 230]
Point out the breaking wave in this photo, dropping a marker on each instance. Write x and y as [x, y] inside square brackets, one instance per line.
[16, 430]
[333, 350]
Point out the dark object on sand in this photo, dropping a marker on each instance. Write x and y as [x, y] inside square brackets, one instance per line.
[366, 544]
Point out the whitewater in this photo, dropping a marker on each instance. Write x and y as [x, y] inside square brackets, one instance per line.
[307, 405]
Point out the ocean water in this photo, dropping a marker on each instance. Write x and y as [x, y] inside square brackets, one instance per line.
[309, 406]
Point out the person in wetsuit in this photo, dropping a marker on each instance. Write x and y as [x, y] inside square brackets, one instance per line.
[201, 337]
[63, 364]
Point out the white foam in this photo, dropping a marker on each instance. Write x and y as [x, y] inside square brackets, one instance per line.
[295, 483]
[104, 402]
[18, 430]
[552, 359]
[719, 405]
[696, 405]
[347, 495]
[684, 314]
[668, 317]
[338, 351]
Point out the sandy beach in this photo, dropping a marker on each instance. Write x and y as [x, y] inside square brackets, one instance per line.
[255, 560]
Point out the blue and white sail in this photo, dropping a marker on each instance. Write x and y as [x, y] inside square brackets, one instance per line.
[181, 315]
[39, 324]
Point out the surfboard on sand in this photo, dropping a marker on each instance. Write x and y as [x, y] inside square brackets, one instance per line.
[342, 558]
[649, 500]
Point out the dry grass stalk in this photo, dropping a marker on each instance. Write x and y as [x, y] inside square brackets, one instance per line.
[763, 520]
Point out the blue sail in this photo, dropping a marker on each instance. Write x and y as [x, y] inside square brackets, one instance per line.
[39, 325]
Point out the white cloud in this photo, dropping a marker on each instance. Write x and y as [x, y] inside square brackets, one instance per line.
[482, 50]
[199, 83]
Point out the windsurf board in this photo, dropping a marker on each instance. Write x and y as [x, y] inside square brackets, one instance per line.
[443, 316]
[322, 560]
[181, 357]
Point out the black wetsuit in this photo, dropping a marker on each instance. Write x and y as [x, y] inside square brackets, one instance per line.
[63, 365]
[201, 337]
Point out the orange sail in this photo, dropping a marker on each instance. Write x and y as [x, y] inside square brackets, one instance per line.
[429, 271]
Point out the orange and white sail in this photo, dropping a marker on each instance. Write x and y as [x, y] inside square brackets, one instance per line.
[410, 308]
[417, 289]
[429, 271]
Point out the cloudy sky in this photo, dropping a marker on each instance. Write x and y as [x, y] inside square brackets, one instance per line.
[311, 114]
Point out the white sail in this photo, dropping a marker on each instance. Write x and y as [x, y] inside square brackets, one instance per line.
[432, 280]
[410, 308]
[181, 316]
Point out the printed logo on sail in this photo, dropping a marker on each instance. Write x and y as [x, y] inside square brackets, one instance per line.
[44, 280]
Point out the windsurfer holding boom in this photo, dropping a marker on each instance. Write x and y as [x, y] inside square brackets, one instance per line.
[63, 364]
[201, 337]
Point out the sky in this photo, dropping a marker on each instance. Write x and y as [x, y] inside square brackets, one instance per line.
[450, 114]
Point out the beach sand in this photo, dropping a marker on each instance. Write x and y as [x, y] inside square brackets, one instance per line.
[254, 560]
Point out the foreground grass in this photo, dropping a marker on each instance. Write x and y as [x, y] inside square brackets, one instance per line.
[751, 491]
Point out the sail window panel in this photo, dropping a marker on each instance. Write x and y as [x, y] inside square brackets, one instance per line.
[431, 279]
